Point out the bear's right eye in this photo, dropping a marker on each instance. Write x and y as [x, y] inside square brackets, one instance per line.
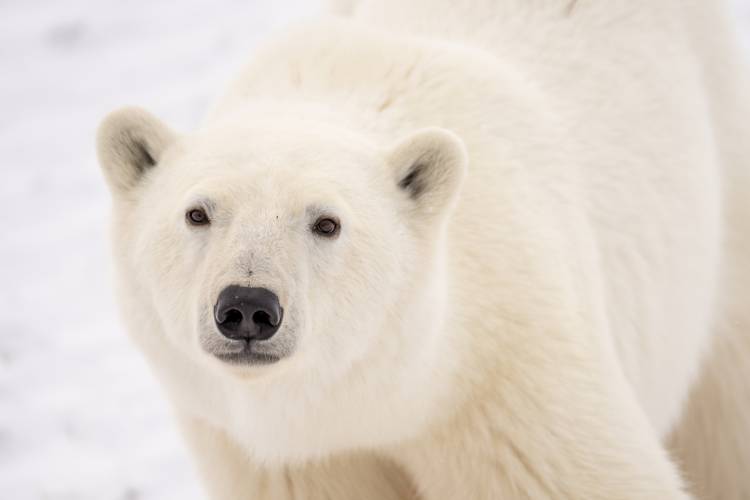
[197, 217]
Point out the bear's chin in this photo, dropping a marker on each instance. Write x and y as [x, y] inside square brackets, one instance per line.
[248, 357]
[247, 367]
[249, 362]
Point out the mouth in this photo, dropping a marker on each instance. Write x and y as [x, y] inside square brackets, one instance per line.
[248, 356]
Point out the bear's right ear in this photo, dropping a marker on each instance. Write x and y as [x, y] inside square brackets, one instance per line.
[130, 141]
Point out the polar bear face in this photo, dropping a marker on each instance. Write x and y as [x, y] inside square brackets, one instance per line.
[279, 245]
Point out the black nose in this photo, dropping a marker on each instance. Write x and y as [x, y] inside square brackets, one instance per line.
[248, 313]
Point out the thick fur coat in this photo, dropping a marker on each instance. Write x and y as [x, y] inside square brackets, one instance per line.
[536, 286]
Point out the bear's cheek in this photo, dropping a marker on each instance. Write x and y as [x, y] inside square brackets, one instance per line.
[171, 270]
[343, 309]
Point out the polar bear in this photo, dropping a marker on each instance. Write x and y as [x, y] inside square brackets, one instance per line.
[445, 250]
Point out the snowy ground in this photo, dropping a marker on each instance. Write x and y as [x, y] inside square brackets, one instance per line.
[80, 415]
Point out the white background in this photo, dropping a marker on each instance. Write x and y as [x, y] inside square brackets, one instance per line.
[80, 415]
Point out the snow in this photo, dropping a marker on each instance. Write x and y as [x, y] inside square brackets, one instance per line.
[81, 416]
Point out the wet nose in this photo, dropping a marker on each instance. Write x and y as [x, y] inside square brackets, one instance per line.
[247, 313]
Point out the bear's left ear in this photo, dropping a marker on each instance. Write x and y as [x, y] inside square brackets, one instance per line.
[129, 143]
[429, 166]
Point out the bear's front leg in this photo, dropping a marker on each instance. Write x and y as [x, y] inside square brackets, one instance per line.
[544, 428]
[229, 474]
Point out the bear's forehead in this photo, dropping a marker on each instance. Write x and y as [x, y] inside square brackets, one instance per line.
[257, 168]
[279, 151]
[277, 155]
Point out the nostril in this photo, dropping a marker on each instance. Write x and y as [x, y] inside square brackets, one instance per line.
[232, 318]
[262, 318]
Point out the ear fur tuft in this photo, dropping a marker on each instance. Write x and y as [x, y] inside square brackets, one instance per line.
[130, 141]
[429, 166]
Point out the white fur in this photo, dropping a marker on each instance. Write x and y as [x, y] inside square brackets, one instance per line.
[529, 330]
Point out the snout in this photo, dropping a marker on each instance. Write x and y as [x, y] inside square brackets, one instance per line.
[248, 313]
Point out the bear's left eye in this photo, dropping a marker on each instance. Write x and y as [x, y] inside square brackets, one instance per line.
[327, 227]
[197, 217]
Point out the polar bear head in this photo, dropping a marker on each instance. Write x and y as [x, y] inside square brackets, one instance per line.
[280, 244]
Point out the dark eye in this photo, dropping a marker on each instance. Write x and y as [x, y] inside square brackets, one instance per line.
[327, 227]
[197, 217]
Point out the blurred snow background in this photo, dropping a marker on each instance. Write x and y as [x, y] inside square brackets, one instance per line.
[80, 415]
